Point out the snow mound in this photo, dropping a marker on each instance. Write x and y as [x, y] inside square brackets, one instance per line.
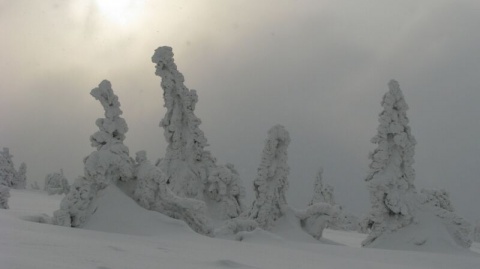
[426, 233]
[118, 213]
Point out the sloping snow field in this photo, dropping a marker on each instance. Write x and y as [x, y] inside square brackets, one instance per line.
[123, 235]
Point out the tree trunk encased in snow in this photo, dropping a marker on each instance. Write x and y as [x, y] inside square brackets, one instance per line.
[191, 170]
[271, 183]
[109, 164]
[152, 193]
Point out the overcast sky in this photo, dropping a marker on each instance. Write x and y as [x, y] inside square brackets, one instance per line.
[320, 68]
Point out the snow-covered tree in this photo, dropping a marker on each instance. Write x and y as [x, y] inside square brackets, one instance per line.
[391, 176]
[271, 182]
[395, 202]
[4, 195]
[109, 164]
[152, 193]
[322, 193]
[186, 161]
[21, 177]
[8, 174]
[56, 183]
[191, 170]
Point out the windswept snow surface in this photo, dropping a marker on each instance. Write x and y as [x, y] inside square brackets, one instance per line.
[134, 243]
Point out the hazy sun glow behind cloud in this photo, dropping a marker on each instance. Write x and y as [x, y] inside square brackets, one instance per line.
[121, 12]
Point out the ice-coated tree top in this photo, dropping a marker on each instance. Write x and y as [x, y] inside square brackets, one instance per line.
[112, 127]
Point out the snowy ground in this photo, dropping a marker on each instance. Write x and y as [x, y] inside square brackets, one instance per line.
[144, 239]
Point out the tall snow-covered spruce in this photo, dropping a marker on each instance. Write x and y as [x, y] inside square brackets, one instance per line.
[271, 183]
[191, 170]
[109, 164]
[391, 176]
[401, 217]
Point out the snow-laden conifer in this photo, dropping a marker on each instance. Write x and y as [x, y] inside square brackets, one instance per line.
[191, 170]
[8, 174]
[56, 183]
[109, 164]
[391, 176]
[395, 202]
[152, 193]
[21, 177]
[271, 183]
[4, 195]
[322, 193]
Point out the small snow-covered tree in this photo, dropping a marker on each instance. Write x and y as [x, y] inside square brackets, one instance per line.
[191, 170]
[110, 163]
[4, 195]
[8, 174]
[152, 193]
[322, 193]
[271, 182]
[391, 176]
[56, 183]
[22, 177]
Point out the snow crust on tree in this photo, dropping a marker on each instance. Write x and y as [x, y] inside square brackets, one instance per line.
[110, 163]
[56, 183]
[225, 193]
[191, 170]
[4, 195]
[438, 198]
[316, 217]
[152, 193]
[391, 176]
[438, 201]
[271, 183]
